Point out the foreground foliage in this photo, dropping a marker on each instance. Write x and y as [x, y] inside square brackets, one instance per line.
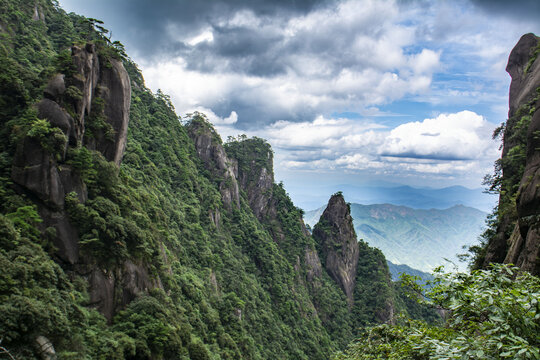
[492, 314]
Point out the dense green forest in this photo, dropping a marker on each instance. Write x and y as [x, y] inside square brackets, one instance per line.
[155, 240]
[144, 258]
[491, 314]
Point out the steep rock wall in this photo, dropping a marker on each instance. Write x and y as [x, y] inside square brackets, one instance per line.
[338, 244]
[211, 152]
[41, 168]
[88, 107]
[255, 173]
[518, 236]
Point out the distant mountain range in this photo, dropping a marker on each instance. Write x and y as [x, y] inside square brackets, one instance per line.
[420, 238]
[417, 198]
[397, 270]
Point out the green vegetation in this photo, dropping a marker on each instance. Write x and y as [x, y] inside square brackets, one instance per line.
[532, 59]
[239, 287]
[492, 314]
[215, 291]
[505, 181]
[36, 298]
[373, 300]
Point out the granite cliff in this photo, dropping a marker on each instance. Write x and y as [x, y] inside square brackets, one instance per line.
[338, 244]
[360, 270]
[516, 238]
[90, 105]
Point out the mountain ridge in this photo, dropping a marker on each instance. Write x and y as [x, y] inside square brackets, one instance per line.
[415, 237]
[415, 197]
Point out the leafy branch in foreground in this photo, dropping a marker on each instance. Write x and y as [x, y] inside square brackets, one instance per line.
[493, 314]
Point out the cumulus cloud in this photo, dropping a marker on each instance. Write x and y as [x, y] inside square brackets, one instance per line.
[322, 133]
[283, 69]
[348, 55]
[449, 144]
[459, 136]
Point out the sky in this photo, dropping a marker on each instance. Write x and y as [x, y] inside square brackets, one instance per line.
[356, 92]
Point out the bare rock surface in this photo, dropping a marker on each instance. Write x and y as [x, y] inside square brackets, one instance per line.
[115, 90]
[339, 246]
[212, 154]
[313, 265]
[522, 247]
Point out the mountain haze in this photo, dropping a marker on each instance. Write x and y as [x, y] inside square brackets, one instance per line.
[417, 198]
[497, 301]
[397, 270]
[419, 238]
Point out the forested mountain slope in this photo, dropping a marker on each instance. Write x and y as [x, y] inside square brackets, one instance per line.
[125, 234]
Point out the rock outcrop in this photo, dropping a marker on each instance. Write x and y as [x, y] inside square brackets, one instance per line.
[256, 175]
[114, 88]
[518, 235]
[40, 167]
[86, 62]
[210, 150]
[90, 108]
[45, 348]
[110, 290]
[338, 244]
[313, 265]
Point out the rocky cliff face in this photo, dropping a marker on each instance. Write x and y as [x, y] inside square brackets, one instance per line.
[518, 236]
[211, 152]
[86, 108]
[40, 167]
[255, 173]
[338, 244]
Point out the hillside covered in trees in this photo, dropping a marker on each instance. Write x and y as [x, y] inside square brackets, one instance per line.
[129, 233]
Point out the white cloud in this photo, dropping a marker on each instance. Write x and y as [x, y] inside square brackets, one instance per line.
[357, 56]
[322, 133]
[457, 144]
[206, 35]
[349, 56]
[463, 135]
[426, 62]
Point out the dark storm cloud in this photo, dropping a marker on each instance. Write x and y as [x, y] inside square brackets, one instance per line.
[150, 27]
[518, 9]
[239, 50]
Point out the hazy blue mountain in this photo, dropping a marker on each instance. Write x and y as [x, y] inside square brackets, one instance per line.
[418, 198]
[420, 238]
[396, 270]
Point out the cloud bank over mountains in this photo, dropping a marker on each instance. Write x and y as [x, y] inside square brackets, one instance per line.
[388, 87]
[447, 145]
